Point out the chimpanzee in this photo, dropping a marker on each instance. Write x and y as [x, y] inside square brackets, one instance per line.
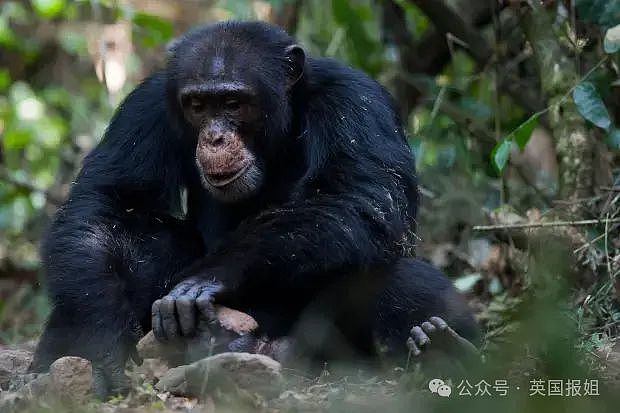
[247, 174]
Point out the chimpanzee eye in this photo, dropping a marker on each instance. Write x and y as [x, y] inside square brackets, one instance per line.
[196, 104]
[232, 103]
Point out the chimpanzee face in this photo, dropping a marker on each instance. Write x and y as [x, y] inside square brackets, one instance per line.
[234, 96]
[226, 117]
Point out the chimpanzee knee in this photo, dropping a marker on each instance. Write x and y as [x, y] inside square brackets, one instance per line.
[416, 292]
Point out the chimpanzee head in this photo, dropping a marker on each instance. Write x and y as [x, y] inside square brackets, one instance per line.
[231, 84]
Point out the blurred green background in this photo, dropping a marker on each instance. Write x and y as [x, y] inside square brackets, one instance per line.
[510, 107]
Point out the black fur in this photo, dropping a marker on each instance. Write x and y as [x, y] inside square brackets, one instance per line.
[338, 204]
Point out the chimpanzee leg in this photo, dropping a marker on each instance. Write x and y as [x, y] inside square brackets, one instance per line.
[422, 311]
[418, 309]
[135, 262]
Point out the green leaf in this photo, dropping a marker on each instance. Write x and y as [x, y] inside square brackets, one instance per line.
[590, 105]
[605, 13]
[612, 40]
[613, 139]
[501, 154]
[17, 138]
[48, 8]
[7, 37]
[523, 133]
[152, 30]
[5, 79]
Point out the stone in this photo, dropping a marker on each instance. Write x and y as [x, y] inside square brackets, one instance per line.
[235, 321]
[174, 381]
[17, 401]
[72, 378]
[150, 348]
[225, 373]
[12, 364]
[232, 324]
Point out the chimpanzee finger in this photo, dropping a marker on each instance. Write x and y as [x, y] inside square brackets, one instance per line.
[454, 340]
[156, 324]
[413, 348]
[428, 328]
[439, 323]
[419, 336]
[204, 302]
[168, 319]
[186, 310]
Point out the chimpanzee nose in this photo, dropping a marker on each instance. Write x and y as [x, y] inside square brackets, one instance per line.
[216, 141]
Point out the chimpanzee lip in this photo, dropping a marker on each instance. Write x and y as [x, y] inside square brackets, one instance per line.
[222, 179]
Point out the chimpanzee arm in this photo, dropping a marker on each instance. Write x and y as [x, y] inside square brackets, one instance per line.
[105, 238]
[359, 224]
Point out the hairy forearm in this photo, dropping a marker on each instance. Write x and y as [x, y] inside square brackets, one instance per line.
[286, 246]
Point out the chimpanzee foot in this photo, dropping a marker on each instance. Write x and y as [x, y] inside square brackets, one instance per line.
[435, 335]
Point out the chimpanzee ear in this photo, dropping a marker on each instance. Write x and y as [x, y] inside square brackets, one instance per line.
[296, 58]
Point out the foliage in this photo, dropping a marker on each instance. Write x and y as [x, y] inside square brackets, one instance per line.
[590, 105]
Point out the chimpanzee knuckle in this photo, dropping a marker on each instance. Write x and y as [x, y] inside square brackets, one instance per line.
[428, 327]
[419, 335]
[155, 307]
[439, 323]
[167, 303]
[204, 302]
[185, 302]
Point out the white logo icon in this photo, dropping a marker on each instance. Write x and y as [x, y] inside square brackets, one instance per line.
[439, 387]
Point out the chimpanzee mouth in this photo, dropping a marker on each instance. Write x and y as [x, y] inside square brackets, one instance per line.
[222, 179]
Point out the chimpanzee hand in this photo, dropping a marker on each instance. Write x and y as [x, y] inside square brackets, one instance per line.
[177, 314]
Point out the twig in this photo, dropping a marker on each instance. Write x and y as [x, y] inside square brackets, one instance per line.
[589, 243]
[607, 257]
[584, 222]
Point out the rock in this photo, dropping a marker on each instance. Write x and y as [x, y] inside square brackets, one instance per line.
[20, 380]
[11, 401]
[72, 378]
[19, 400]
[150, 348]
[226, 373]
[174, 381]
[151, 370]
[232, 324]
[235, 321]
[12, 364]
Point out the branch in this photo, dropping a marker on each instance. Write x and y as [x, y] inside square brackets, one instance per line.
[448, 21]
[584, 222]
[462, 27]
[427, 56]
